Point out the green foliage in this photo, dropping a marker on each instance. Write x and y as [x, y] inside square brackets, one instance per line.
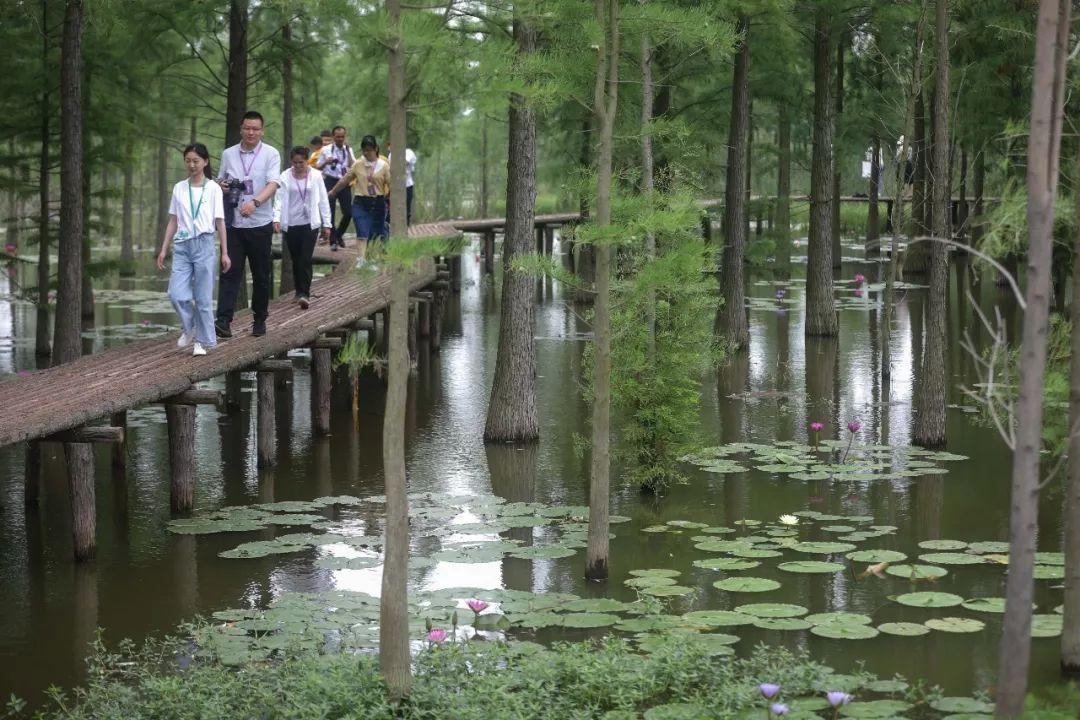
[1005, 230]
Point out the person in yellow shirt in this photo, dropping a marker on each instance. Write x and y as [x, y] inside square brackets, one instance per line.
[317, 144]
[369, 178]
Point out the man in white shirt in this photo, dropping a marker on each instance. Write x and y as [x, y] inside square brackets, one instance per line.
[334, 161]
[410, 173]
[252, 169]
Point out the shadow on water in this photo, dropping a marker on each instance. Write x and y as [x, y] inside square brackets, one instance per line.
[146, 580]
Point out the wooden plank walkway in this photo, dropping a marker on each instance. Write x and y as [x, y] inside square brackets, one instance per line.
[121, 378]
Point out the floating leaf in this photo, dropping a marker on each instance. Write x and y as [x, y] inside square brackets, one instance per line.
[989, 546]
[917, 572]
[955, 624]
[1050, 558]
[845, 618]
[838, 528]
[755, 553]
[1043, 626]
[989, 605]
[876, 556]
[666, 590]
[294, 519]
[656, 572]
[906, 629]
[845, 631]
[1049, 572]
[600, 605]
[772, 610]
[929, 599]
[811, 567]
[648, 581]
[687, 524]
[718, 618]
[541, 553]
[717, 530]
[949, 558]
[713, 545]
[887, 686]
[781, 624]
[589, 620]
[729, 564]
[822, 548]
[537, 620]
[291, 506]
[943, 544]
[874, 708]
[961, 705]
[746, 584]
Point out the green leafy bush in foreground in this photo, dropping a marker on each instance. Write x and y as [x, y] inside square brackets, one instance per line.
[479, 681]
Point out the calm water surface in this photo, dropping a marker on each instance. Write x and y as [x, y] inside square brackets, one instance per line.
[146, 580]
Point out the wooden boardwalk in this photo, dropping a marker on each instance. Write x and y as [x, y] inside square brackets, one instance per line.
[96, 386]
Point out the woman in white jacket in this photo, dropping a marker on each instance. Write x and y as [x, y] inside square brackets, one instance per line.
[301, 209]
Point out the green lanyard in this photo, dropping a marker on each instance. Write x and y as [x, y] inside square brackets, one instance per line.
[191, 203]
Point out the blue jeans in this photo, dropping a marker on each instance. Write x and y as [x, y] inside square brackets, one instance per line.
[369, 214]
[191, 286]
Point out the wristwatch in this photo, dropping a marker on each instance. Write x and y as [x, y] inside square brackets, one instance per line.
[257, 203]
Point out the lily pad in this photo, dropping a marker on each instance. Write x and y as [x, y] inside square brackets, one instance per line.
[929, 599]
[772, 610]
[755, 553]
[718, 618]
[811, 567]
[989, 605]
[541, 553]
[781, 624]
[874, 708]
[656, 572]
[1049, 572]
[989, 546]
[595, 605]
[845, 618]
[538, 620]
[1050, 558]
[729, 564]
[589, 620]
[746, 584]
[822, 548]
[716, 545]
[1048, 625]
[666, 590]
[845, 631]
[648, 581]
[961, 705]
[917, 572]
[887, 686]
[955, 624]
[950, 558]
[905, 629]
[876, 556]
[943, 544]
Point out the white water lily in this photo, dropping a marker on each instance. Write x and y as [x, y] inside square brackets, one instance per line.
[789, 520]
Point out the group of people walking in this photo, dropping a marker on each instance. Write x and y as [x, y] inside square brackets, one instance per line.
[252, 198]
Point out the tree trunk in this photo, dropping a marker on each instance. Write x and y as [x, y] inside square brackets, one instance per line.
[648, 181]
[394, 655]
[897, 220]
[820, 313]
[1070, 632]
[605, 102]
[1044, 146]
[163, 190]
[127, 250]
[87, 280]
[512, 412]
[932, 394]
[782, 228]
[585, 254]
[962, 204]
[731, 324]
[483, 204]
[67, 341]
[42, 344]
[915, 259]
[873, 230]
[236, 99]
[978, 182]
[837, 250]
[285, 282]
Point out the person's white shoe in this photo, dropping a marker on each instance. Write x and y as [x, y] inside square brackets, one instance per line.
[185, 339]
[198, 349]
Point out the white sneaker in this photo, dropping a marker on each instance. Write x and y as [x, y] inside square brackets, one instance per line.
[198, 349]
[185, 339]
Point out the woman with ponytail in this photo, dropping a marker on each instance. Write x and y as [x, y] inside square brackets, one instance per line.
[196, 220]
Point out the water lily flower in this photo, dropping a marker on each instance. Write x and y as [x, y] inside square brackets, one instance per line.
[781, 293]
[816, 426]
[437, 635]
[146, 323]
[858, 292]
[477, 606]
[10, 248]
[769, 690]
[789, 520]
[859, 278]
[837, 698]
[779, 709]
[854, 426]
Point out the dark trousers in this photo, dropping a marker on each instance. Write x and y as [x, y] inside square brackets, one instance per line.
[344, 199]
[300, 239]
[408, 205]
[253, 245]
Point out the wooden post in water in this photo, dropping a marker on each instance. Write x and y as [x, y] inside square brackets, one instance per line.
[282, 377]
[539, 230]
[79, 457]
[438, 306]
[489, 252]
[425, 319]
[32, 475]
[549, 239]
[320, 390]
[181, 421]
[233, 382]
[455, 273]
[413, 359]
[119, 450]
[266, 420]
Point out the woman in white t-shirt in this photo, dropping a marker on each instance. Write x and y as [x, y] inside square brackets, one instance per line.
[196, 218]
[301, 208]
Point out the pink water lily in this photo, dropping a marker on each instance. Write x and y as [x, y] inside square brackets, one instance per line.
[859, 278]
[10, 248]
[437, 635]
[477, 606]
[854, 426]
[816, 426]
[858, 292]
